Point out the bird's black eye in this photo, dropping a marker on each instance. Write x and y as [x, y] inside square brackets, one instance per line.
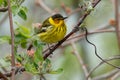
[59, 19]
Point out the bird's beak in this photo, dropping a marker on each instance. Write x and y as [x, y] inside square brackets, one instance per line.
[65, 18]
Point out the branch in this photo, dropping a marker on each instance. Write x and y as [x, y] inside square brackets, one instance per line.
[69, 11]
[21, 69]
[117, 21]
[12, 38]
[90, 33]
[3, 76]
[79, 37]
[3, 9]
[41, 3]
[42, 77]
[107, 75]
[85, 29]
[116, 76]
[3, 68]
[102, 62]
[85, 70]
[9, 74]
[75, 29]
[102, 29]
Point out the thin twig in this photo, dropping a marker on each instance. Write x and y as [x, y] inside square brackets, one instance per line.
[3, 68]
[102, 62]
[86, 32]
[68, 11]
[89, 33]
[42, 77]
[76, 10]
[30, 46]
[81, 36]
[41, 3]
[106, 75]
[3, 9]
[102, 29]
[80, 59]
[9, 74]
[75, 29]
[3, 76]
[117, 21]
[117, 75]
[12, 40]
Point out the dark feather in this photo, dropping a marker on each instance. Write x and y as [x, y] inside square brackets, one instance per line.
[45, 25]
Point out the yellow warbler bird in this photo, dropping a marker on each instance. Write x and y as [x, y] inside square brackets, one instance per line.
[53, 29]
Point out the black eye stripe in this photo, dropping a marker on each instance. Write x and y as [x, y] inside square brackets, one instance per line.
[59, 19]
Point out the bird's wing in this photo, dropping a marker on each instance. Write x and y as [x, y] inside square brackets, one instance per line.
[46, 24]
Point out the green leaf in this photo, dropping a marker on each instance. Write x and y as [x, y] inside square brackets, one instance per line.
[38, 54]
[22, 13]
[31, 68]
[56, 71]
[19, 58]
[4, 63]
[15, 9]
[46, 65]
[23, 43]
[4, 39]
[23, 31]
[19, 38]
[1, 1]
[5, 3]
[48, 61]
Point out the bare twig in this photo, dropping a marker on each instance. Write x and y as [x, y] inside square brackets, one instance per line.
[117, 75]
[41, 3]
[102, 29]
[42, 77]
[76, 10]
[81, 36]
[80, 59]
[89, 33]
[3, 9]
[9, 74]
[76, 28]
[3, 76]
[102, 62]
[12, 42]
[107, 75]
[86, 32]
[68, 11]
[117, 21]
[3, 68]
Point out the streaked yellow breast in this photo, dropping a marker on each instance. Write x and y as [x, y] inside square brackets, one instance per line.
[55, 33]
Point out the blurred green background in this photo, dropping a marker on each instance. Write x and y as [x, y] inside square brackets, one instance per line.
[106, 43]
